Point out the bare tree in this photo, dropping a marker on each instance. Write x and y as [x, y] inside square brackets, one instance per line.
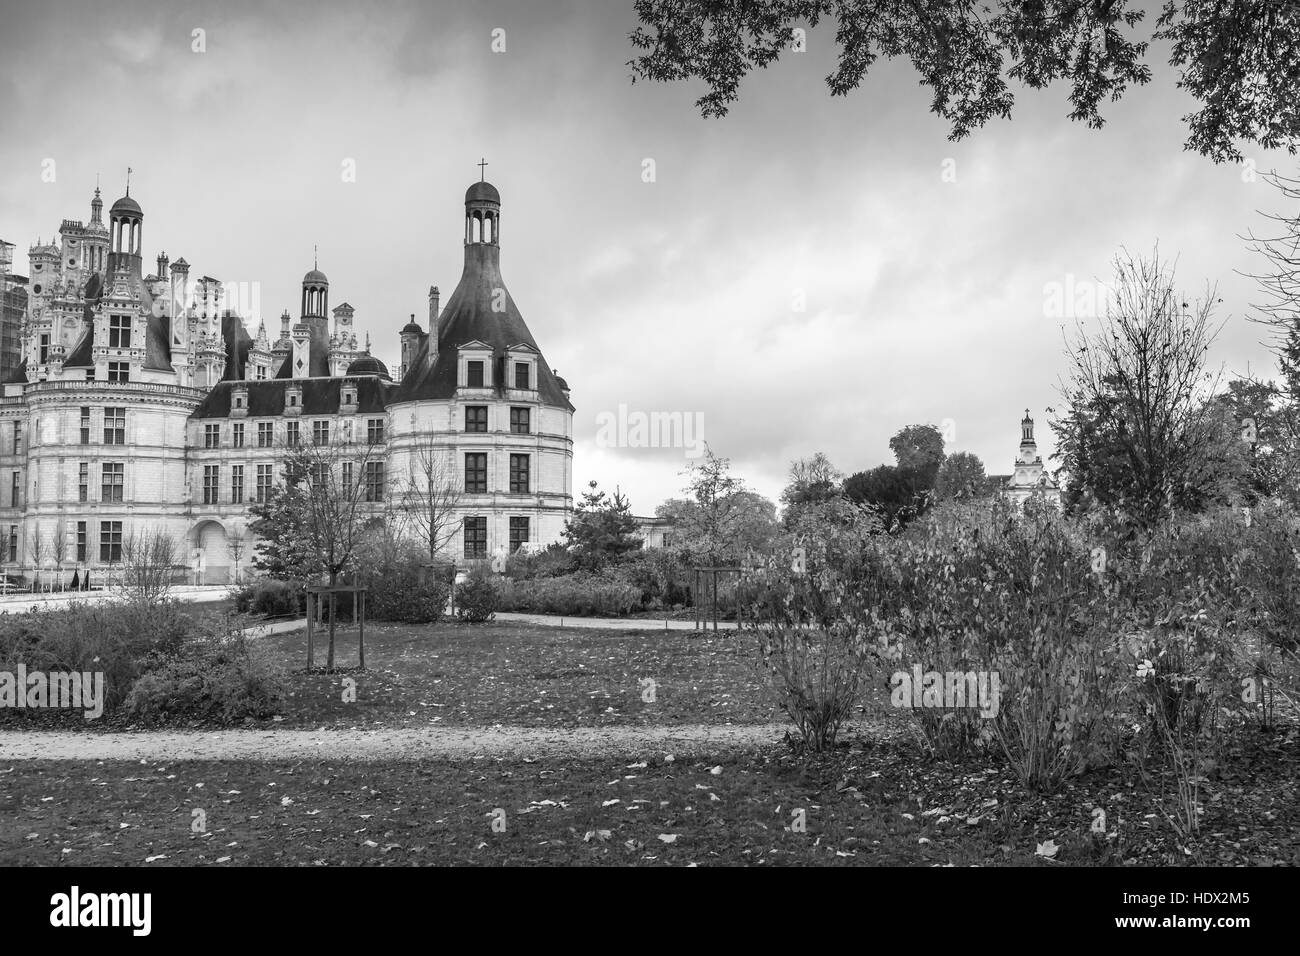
[430, 493]
[1139, 435]
[1280, 313]
[36, 545]
[237, 549]
[148, 563]
[59, 548]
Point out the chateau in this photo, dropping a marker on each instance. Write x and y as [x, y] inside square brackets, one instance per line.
[141, 404]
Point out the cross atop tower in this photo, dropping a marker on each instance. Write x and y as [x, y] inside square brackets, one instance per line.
[128, 180]
[481, 174]
[315, 256]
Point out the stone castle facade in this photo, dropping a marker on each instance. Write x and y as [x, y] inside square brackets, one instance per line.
[142, 404]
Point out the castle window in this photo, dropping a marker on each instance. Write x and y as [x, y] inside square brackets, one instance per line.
[211, 436]
[83, 481]
[119, 371]
[375, 431]
[236, 484]
[521, 375]
[260, 372]
[81, 541]
[349, 396]
[519, 421]
[115, 426]
[474, 374]
[13, 543]
[265, 434]
[16, 490]
[211, 484]
[320, 432]
[237, 435]
[119, 331]
[239, 401]
[112, 479]
[291, 437]
[476, 472]
[374, 481]
[518, 533]
[85, 425]
[18, 438]
[476, 537]
[519, 474]
[475, 418]
[45, 348]
[110, 541]
[264, 481]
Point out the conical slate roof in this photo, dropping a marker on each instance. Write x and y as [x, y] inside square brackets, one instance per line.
[469, 317]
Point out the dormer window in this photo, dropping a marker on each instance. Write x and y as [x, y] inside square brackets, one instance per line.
[349, 395]
[522, 377]
[474, 374]
[239, 401]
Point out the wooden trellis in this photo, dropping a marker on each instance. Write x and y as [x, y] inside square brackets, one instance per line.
[704, 595]
[316, 595]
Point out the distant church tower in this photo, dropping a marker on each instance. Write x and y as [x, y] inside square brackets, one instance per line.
[1029, 478]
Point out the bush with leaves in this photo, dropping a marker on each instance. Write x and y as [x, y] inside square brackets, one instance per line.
[114, 638]
[477, 597]
[575, 595]
[269, 597]
[812, 605]
[220, 676]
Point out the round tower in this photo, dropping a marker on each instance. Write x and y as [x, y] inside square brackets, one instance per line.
[126, 232]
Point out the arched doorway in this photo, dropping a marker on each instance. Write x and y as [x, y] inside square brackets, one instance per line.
[211, 557]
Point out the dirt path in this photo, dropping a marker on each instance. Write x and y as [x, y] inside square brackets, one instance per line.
[395, 744]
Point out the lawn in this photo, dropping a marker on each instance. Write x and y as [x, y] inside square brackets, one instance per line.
[878, 800]
[526, 675]
[869, 804]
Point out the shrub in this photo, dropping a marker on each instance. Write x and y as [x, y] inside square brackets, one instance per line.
[269, 597]
[554, 561]
[816, 624]
[408, 595]
[219, 676]
[114, 638]
[477, 597]
[573, 594]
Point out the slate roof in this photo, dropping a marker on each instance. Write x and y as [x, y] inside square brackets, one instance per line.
[318, 351]
[17, 376]
[320, 396]
[469, 317]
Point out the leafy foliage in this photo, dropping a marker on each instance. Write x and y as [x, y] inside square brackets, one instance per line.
[601, 530]
[219, 676]
[478, 597]
[1237, 61]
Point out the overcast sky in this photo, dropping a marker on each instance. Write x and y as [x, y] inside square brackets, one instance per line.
[924, 299]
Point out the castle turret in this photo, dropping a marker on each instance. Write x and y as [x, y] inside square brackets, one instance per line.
[126, 234]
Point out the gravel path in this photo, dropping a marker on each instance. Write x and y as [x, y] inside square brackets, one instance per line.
[395, 744]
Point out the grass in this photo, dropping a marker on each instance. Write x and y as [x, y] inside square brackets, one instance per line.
[877, 805]
[525, 675]
[878, 800]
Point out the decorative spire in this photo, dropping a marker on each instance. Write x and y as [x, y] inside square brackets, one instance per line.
[128, 180]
